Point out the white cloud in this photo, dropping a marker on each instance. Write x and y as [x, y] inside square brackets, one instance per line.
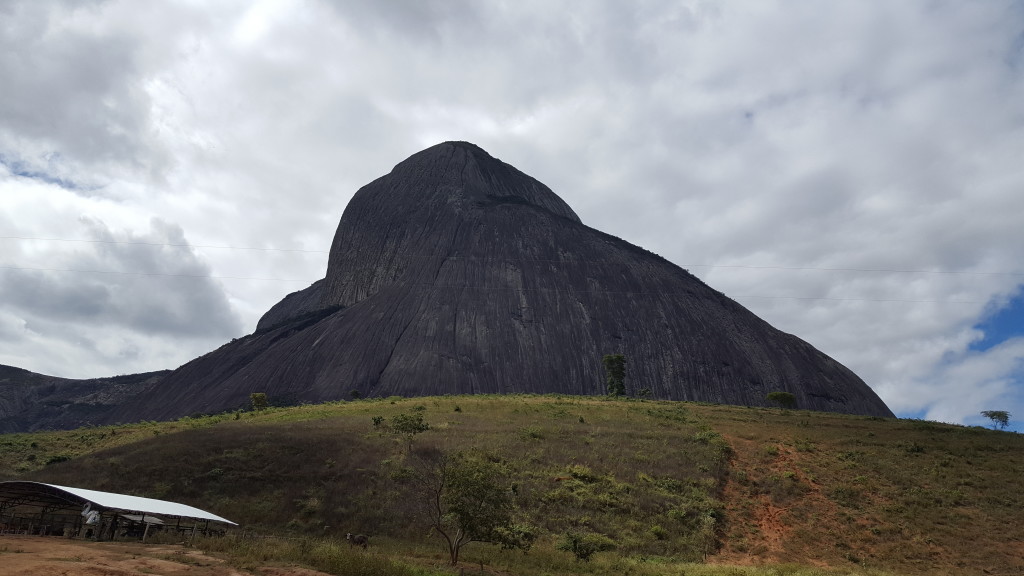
[854, 136]
[83, 308]
[988, 380]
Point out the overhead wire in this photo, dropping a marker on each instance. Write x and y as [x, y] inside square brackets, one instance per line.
[640, 293]
[499, 289]
[168, 244]
[165, 274]
[727, 266]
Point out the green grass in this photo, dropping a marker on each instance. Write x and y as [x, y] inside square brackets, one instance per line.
[336, 557]
[670, 483]
[328, 555]
[306, 468]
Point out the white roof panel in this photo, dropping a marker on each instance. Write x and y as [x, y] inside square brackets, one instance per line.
[139, 504]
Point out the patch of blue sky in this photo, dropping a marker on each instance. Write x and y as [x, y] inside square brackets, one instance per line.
[1016, 423]
[913, 414]
[19, 168]
[1002, 324]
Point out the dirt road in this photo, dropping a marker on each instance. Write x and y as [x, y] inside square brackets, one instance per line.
[52, 556]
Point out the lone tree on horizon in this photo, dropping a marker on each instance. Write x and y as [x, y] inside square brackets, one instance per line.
[783, 399]
[1000, 418]
[615, 373]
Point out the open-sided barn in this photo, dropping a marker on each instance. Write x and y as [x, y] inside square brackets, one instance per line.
[49, 509]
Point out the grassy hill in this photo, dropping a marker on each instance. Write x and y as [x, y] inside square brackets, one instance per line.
[668, 483]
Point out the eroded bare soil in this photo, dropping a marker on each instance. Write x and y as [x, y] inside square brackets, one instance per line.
[51, 556]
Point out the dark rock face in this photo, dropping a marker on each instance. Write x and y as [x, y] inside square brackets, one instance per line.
[292, 306]
[456, 273]
[30, 401]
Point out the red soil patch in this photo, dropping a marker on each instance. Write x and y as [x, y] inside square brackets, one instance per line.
[51, 556]
[770, 543]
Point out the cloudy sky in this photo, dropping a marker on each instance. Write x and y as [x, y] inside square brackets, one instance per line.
[851, 171]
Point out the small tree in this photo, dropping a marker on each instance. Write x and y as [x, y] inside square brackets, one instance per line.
[783, 399]
[464, 497]
[409, 424]
[583, 545]
[1000, 418]
[615, 373]
[259, 401]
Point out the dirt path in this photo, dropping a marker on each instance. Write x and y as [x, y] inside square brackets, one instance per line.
[51, 556]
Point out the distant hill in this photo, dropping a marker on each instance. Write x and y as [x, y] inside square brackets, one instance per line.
[30, 401]
[458, 274]
[667, 482]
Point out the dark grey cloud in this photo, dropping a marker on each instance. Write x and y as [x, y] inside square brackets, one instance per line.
[110, 297]
[35, 292]
[151, 283]
[77, 99]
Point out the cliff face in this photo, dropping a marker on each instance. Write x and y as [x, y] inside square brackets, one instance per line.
[456, 273]
[30, 401]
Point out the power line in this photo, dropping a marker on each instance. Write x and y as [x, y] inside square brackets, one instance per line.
[548, 261]
[163, 244]
[862, 299]
[503, 288]
[120, 273]
[951, 272]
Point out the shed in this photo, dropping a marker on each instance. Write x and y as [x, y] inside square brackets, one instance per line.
[49, 509]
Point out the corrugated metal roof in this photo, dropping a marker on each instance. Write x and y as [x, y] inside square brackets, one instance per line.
[126, 503]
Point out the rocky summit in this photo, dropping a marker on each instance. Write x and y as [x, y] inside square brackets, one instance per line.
[458, 274]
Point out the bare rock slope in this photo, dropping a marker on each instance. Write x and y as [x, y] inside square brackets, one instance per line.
[456, 273]
[30, 401]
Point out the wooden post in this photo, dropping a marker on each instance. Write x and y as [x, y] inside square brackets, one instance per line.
[113, 527]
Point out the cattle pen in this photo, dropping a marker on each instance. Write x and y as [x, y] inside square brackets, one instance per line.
[35, 508]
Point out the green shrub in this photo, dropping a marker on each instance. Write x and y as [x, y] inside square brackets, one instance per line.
[531, 433]
[849, 496]
[583, 545]
[582, 473]
[782, 399]
[409, 424]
